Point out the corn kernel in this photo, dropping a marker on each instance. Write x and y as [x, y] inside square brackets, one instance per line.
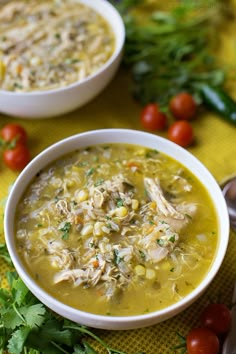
[141, 152]
[54, 265]
[87, 230]
[121, 212]
[83, 195]
[70, 183]
[134, 204]
[2, 70]
[140, 270]
[150, 274]
[153, 205]
[98, 228]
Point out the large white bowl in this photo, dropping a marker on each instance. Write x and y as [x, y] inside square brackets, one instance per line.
[49, 103]
[116, 136]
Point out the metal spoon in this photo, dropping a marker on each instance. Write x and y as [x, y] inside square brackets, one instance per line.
[229, 191]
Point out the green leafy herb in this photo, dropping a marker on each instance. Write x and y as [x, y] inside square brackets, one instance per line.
[90, 172]
[119, 202]
[174, 51]
[188, 216]
[172, 239]
[27, 326]
[57, 35]
[142, 254]
[83, 163]
[65, 229]
[151, 153]
[71, 61]
[117, 258]
[17, 85]
[99, 182]
[4, 253]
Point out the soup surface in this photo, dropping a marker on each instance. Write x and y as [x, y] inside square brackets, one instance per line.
[117, 230]
[50, 44]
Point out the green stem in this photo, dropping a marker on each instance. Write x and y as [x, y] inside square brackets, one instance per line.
[99, 340]
[18, 313]
[59, 347]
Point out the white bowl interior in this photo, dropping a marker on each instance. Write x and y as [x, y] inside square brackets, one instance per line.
[116, 136]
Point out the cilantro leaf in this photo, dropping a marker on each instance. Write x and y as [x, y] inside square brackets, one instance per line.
[5, 297]
[20, 291]
[65, 229]
[17, 340]
[10, 318]
[33, 315]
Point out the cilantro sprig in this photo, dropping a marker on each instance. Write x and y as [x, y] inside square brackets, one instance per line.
[66, 230]
[29, 327]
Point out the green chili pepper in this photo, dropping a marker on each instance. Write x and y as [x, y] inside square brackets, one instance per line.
[219, 101]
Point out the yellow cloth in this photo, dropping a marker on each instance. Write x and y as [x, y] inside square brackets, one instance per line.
[215, 147]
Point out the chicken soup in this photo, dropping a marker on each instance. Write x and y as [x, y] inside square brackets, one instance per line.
[49, 44]
[117, 229]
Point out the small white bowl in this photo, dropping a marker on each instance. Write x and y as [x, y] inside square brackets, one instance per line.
[116, 136]
[50, 103]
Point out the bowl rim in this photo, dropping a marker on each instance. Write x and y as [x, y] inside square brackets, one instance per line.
[119, 43]
[53, 153]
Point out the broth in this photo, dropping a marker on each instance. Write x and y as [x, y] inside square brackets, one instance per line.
[117, 229]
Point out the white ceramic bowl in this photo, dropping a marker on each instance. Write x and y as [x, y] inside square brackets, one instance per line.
[116, 136]
[49, 103]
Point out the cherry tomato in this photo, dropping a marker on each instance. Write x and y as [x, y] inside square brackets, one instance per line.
[14, 131]
[153, 119]
[183, 106]
[202, 341]
[16, 158]
[216, 317]
[181, 133]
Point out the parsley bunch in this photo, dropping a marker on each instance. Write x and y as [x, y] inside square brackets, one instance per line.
[168, 52]
[28, 327]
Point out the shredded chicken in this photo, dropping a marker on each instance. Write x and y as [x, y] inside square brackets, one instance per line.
[101, 229]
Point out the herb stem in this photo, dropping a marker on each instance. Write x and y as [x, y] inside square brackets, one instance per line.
[18, 313]
[59, 347]
[92, 335]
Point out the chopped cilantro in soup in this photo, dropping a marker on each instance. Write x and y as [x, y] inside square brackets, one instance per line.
[117, 230]
[50, 44]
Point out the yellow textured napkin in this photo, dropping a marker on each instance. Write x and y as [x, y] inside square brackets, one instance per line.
[215, 147]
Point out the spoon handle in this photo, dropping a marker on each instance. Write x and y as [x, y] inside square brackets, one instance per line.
[229, 346]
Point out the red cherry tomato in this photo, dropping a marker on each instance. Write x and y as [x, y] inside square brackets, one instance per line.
[14, 131]
[183, 106]
[181, 133]
[153, 119]
[202, 341]
[16, 158]
[216, 317]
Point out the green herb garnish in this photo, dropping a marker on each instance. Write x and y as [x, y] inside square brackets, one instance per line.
[117, 258]
[99, 182]
[142, 254]
[27, 326]
[65, 229]
[90, 172]
[172, 239]
[119, 202]
[168, 52]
